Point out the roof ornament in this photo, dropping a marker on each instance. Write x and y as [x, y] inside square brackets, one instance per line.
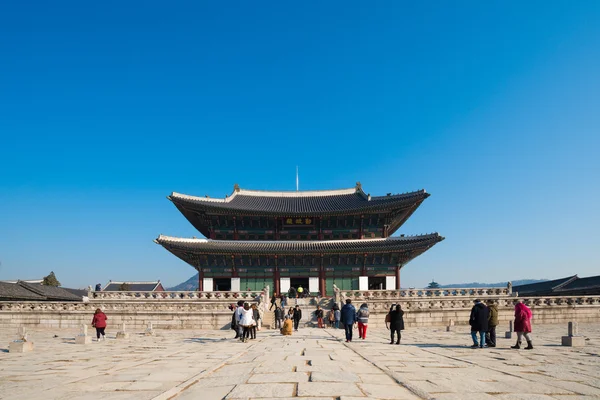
[358, 186]
[236, 188]
[369, 197]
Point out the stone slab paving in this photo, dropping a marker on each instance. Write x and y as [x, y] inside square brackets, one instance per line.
[312, 364]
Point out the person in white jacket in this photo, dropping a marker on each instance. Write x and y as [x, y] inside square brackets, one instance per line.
[246, 321]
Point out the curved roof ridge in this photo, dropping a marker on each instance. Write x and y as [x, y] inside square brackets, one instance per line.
[292, 194]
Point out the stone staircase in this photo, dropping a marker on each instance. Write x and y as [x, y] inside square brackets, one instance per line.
[308, 307]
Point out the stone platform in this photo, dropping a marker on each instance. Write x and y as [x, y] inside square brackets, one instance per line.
[313, 364]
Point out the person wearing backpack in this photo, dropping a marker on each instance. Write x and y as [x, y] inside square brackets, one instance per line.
[363, 319]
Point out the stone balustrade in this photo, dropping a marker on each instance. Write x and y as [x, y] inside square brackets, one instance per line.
[422, 293]
[203, 312]
[178, 295]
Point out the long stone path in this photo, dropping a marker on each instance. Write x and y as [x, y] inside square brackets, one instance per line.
[314, 363]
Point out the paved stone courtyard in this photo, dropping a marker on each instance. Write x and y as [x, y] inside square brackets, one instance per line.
[315, 364]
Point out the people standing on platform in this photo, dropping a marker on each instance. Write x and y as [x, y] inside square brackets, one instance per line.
[300, 291]
[331, 318]
[479, 323]
[297, 317]
[257, 320]
[490, 336]
[291, 313]
[99, 322]
[98, 287]
[396, 321]
[337, 315]
[287, 326]
[319, 315]
[237, 315]
[523, 325]
[292, 292]
[273, 302]
[363, 320]
[278, 317]
[246, 321]
[348, 319]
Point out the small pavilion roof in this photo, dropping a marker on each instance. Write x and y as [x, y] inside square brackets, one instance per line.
[208, 246]
[285, 203]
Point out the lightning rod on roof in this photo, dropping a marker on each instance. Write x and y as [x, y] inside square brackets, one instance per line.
[297, 183]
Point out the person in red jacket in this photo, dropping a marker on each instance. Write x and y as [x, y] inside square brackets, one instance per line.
[99, 322]
[523, 325]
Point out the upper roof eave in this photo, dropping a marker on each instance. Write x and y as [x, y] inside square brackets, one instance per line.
[306, 203]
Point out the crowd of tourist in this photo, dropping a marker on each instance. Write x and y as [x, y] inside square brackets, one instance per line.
[246, 321]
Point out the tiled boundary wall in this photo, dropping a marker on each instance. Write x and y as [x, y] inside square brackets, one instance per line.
[214, 314]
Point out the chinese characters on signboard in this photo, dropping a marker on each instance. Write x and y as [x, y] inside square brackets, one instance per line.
[298, 221]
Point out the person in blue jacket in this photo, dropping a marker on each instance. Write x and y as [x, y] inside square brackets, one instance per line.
[348, 319]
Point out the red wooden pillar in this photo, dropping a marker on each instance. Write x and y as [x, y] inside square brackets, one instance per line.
[397, 277]
[234, 273]
[276, 288]
[320, 228]
[322, 286]
[200, 280]
[361, 235]
[235, 234]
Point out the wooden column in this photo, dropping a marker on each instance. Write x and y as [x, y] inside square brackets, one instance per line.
[200, 280]
[397, 277]
[361, 234]
[276, 235]
[363, 270]
[320, 228]
[276, 279]
[322, 286]
[234, 273]
[235, 234]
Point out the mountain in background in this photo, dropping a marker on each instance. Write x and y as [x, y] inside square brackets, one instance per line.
[499, 284]
[192, 284]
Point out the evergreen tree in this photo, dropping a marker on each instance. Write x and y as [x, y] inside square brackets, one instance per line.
[51, 280]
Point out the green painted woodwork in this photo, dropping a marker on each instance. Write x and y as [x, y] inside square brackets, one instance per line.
[255, 284]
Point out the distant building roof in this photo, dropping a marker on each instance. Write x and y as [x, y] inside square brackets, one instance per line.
[542, 288]
[51, 292]
[152, 286]
[12, 291]
[569, 286]
[77, 292]
[26, 291]
[581, 286]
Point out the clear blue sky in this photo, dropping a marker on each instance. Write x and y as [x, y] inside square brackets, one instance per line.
[107, 107]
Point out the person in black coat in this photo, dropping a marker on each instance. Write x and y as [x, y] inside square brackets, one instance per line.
[396, 323]
[479, 323]
[278, 317]
[297, 317]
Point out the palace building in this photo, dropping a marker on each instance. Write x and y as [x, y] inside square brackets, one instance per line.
[311, 238]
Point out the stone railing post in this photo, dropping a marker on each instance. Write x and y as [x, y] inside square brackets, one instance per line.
[336, 295]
